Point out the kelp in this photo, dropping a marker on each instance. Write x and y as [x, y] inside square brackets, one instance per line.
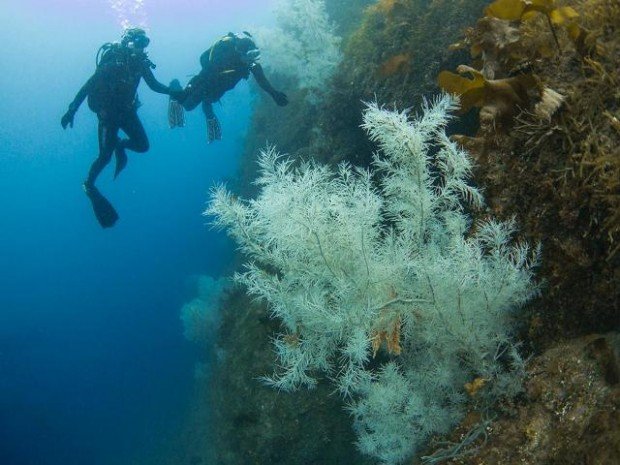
[499, 100]
[512, 10]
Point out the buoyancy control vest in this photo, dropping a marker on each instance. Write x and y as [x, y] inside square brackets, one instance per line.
[118, 73]
[223, 58]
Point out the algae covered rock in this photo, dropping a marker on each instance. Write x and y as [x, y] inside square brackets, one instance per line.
[570, 413]
[553, 159]
[248, 423]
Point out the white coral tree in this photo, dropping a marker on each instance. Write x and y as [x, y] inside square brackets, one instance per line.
[357, 262]
[303, 44]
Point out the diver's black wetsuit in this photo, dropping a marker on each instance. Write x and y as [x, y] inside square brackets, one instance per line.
[111, 93]
[222, 68]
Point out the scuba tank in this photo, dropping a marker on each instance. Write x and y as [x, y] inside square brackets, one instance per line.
[233, 53]
[114, 50]
[104, 52]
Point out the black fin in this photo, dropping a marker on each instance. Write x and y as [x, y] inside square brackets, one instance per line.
[176, 114]
[103, 209]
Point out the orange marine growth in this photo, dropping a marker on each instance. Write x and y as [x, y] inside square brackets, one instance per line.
[396, 64]
[473, 387]
[391, 338]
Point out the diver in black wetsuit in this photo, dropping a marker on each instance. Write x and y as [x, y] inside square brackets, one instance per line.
[224, 64]
[111, 93]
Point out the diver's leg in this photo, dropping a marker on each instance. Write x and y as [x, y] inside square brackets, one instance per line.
[214, 131]
[194, 92]
[137, 140]
[108, 138]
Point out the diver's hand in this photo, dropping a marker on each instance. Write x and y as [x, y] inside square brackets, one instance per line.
[177, 95]
[214, 131]
[280, 98]
[67, 119]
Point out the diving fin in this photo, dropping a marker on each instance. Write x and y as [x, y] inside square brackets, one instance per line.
[176, 114]
[103, 209]
[121, 160]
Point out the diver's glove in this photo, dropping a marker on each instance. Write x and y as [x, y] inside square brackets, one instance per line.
[175, 91]
[67, 118]
[280, 98]
[214, 131]
[177, 95]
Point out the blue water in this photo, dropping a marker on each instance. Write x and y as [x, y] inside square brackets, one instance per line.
[93, 365]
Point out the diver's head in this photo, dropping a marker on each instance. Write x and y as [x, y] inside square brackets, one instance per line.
[135, 38]
[247, 49]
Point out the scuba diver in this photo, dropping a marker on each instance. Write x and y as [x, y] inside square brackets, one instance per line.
[111, 93]
[224, 64]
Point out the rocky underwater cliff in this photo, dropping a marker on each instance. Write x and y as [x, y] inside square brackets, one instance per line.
[539, 86]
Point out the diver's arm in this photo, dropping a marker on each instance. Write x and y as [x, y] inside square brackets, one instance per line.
[82, 93]
[153, 83]
[279, 97]
[103, 73]
[259, 75]
[67, 118]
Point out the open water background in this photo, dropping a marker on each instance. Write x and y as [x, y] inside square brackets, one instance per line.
[93, 366]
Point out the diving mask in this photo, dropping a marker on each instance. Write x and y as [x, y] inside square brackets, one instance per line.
[135, 38]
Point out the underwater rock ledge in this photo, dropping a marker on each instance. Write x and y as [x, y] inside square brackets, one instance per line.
[570, 413]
